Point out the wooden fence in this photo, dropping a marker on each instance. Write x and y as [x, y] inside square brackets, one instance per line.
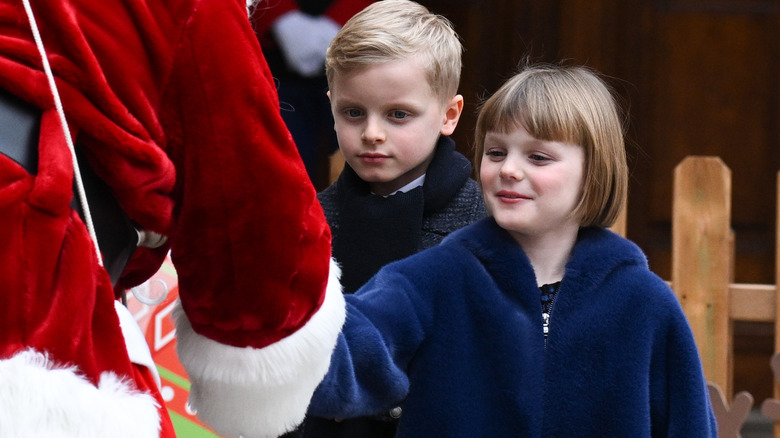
[702, 278]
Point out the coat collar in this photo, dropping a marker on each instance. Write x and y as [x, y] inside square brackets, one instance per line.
[597, 253]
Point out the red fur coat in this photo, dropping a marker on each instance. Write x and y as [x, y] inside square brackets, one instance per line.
[176, 110]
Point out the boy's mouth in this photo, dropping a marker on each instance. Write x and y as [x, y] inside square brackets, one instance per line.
[372, 157]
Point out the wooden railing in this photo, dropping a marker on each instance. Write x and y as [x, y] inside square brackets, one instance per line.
[702, 278]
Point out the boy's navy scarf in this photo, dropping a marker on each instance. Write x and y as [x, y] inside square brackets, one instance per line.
[375, 230]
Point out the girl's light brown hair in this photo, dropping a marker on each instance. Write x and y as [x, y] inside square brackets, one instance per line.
[571, 105]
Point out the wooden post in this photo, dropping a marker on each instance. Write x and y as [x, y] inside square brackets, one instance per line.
[702, 258]
[777, 290]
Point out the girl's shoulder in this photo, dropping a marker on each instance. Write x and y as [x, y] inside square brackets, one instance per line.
[603, 256]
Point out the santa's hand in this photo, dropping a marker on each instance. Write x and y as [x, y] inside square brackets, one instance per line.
[304, 39]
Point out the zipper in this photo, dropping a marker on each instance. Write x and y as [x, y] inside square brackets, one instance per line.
[547, 315]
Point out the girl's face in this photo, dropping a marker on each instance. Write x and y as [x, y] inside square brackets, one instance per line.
[531, 186]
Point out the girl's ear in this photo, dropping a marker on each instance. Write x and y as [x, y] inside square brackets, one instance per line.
[452, 111]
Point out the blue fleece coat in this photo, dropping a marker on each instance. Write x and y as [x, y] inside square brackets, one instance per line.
[455, 333]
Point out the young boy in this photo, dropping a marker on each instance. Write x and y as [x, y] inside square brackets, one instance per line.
[393, 73]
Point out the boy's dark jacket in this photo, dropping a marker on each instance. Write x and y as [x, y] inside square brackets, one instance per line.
[456, 331]
[370, 231]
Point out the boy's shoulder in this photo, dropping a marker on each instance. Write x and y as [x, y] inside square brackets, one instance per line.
[464, 208]
[465, 205]
[328, 193]
[328, 199]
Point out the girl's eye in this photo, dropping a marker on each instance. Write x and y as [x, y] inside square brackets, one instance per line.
[495, 154]
[539, 159]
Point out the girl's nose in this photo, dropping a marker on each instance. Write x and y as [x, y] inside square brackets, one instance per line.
[511, 170]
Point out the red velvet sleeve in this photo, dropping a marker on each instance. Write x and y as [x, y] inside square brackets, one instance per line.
[175, 107]
[250, 242]
[260, 304]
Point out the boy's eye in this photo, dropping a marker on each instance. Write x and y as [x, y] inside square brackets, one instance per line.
[353, 112]
[398, 114]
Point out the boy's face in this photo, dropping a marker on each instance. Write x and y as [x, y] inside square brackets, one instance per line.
[388, 120]
[532, 186]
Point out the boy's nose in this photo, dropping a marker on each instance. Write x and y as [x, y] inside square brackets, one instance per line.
[373, 132]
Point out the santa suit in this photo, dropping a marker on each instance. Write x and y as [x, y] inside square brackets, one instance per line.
[174, 108]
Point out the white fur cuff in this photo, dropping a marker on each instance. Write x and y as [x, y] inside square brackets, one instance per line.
[264, 392]
[41, 399]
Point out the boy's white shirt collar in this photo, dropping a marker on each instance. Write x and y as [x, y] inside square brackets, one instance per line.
[412, 185]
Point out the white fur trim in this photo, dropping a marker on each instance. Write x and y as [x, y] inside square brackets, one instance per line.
[263, 392]
[137, 348]
[40, 399]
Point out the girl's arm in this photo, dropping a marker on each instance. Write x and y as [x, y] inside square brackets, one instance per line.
[386, 323]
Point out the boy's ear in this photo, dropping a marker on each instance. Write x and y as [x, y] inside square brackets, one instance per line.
[452, 111]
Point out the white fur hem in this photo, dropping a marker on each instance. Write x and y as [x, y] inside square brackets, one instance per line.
[40, 399]
[263, 392]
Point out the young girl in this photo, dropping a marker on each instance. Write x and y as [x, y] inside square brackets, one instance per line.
[536, 321]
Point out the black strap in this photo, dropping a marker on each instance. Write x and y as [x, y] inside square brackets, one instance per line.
[20, 125]
[115, 232]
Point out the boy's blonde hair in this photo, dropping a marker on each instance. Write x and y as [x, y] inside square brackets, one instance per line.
[570, 105]
[390, 30]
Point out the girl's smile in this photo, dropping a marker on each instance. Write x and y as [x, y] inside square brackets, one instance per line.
[510, 197]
